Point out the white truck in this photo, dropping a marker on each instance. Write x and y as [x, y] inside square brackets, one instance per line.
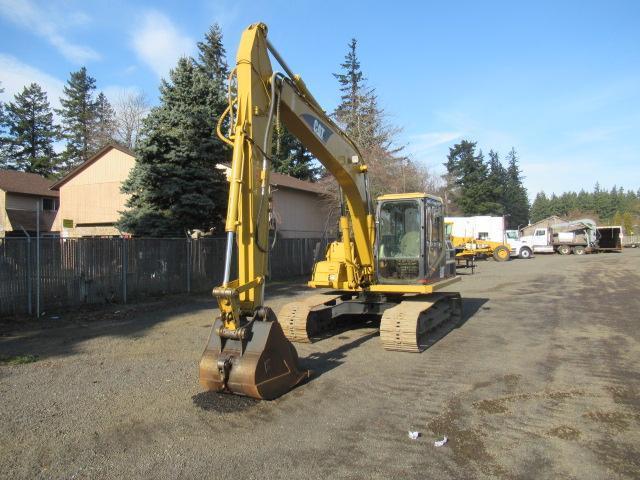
[485, 227]
[578, 236]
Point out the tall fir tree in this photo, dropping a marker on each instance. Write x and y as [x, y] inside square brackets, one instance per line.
[468, 174]
[361, 117]
[541, 207]
[497, 181]
[174, 185]
[290, 157]
[212, 58]
[78, 114]
[212, 64]
[104, 131]
[31, 132]
[351, 80]
[359, 112]
[516, 198]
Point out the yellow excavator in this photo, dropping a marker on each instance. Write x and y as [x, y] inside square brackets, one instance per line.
[391, 259]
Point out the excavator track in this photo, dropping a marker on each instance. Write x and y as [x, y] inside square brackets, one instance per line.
[299, 321]
[405, 327]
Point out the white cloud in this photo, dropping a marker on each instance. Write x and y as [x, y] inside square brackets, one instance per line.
[159, 43]
[424, 142]
[47, 24]
[14, 75]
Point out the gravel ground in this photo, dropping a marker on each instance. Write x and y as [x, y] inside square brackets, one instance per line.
[541, 381]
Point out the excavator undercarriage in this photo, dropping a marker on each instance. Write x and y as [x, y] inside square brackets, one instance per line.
[405, 321]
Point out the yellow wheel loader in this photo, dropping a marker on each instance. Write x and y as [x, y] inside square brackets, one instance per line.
[391, 259]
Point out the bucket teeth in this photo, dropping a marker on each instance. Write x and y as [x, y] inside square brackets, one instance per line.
[263, 366]
[405, 327]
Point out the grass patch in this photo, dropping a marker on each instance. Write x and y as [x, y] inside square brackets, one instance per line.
[17, 359]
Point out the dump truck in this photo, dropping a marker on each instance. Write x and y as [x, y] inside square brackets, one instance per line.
[390, 261]
[578, 237]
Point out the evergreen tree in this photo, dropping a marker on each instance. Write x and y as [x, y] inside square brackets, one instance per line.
[541, 208]
[105, 123]
[361, 117]
[212, 64]
[516, 199]
[212, 58]
[290, 157]
[497, 183]
[174, 185]
[469, 176]
[351, 82]
[29, 121]
[78, 114]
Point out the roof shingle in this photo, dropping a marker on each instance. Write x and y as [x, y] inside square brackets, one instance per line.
[28, 183]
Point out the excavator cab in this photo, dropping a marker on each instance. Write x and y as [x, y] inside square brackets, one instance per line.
[409, 246]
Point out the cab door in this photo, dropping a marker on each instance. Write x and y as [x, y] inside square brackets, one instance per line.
[434, 245]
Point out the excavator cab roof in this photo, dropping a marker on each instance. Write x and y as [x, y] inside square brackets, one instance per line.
[402, 196]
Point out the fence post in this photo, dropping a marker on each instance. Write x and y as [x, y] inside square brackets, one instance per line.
[38, 259]
[125, 264]
[189, 265]
[29, 277]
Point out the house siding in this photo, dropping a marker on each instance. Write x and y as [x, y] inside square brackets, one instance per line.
[4, 220]
[299, 214]
[93, 196]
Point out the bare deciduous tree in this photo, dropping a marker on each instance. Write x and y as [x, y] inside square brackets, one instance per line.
[131, 108]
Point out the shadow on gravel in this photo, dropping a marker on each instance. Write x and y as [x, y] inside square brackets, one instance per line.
[223, 402]
[57, 334]
[323, 362]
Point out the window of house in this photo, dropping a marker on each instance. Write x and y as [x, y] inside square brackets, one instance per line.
[540, 233]
[50, 204]
[483, 235]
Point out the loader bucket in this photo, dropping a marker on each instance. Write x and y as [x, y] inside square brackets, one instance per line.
[263, 366]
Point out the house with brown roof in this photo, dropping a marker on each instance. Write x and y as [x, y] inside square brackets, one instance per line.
[90, 198]
[25, 198]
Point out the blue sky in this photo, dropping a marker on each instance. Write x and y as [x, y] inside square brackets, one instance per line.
[559, 81]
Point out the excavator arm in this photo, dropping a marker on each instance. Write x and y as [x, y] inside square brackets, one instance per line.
[261, 97]
[247, 352]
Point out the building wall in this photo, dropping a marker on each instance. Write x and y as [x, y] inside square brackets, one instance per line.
[92, 199]
[299, 214]
[25, 203]
[17, 201]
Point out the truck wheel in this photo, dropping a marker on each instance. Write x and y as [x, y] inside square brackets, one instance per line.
[579, 250]
[564, 250]
[525, 252]
[501, 254]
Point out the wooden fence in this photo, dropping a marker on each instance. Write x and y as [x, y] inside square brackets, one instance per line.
[55, 273]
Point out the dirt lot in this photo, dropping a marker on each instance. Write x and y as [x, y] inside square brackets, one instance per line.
[541, 381]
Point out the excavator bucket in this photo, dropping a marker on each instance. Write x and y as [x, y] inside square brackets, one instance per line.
[264, 365]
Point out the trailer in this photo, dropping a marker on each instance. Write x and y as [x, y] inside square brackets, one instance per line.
[610, 238]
